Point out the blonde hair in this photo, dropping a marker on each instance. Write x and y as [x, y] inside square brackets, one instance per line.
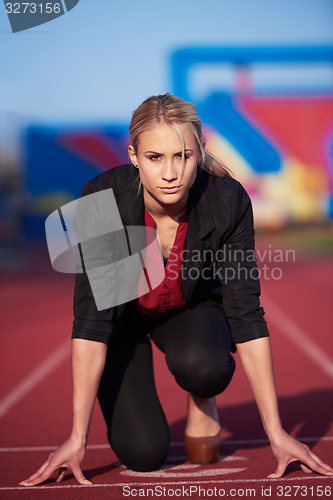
[174, 111]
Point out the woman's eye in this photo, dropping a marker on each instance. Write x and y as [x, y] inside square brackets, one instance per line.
[158, 157]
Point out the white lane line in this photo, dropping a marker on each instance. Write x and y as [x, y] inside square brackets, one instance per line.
[35, 377]
[169, 483]
[222, 458]
[163, 473]
[297, 335]
[258, 441]
[107, 446]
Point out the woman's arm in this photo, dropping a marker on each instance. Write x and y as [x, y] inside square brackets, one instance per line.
[88, 360]
[256, 359]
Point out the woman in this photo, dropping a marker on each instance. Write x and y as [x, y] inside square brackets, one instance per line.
[206, 305]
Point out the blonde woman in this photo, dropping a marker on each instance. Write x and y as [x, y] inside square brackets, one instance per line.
[196, 316]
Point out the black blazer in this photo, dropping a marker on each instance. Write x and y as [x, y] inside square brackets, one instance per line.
[219, 263]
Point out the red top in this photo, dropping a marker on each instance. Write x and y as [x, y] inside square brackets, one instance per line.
[168, 294]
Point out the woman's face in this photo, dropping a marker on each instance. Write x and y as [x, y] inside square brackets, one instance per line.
[159, 158]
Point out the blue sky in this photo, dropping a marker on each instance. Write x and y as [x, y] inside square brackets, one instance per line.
[100, 60]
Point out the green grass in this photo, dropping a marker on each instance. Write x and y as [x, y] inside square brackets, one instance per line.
[309, 239]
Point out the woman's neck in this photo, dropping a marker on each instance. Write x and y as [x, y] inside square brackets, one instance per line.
[159, 210]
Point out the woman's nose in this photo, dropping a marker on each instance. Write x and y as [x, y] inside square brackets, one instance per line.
[169, 172]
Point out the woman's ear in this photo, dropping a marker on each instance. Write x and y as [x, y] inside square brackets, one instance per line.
[132, 155]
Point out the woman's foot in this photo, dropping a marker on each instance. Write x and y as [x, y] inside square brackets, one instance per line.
[202, 417]
[202, 434]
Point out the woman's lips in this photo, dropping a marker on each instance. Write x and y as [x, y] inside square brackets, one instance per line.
[170, 190]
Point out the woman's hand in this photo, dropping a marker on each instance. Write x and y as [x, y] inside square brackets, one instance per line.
[287, 449]
[88, 360]
[70, 455]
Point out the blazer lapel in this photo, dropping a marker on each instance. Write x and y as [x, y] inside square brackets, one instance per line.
[131, 205]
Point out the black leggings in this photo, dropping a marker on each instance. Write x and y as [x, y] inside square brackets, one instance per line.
[196, 343]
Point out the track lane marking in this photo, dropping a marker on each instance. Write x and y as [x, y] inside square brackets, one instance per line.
[163, 473]
[34, 378]
[174, 444]
[222, 458]
[298, 336]
[122, 485]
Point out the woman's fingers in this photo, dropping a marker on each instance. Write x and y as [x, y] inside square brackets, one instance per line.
[46, 473]
[305, 468]
[79, 475]
[320, 462]
[308, 463]
[36, 474]
[317, 465]
[69, 456]
[279, 470]
[62, 472]
[50, 469]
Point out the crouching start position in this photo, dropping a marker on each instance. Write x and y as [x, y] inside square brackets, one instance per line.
[196, 316]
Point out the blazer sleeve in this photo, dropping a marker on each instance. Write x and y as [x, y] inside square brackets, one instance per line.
[89, 323]
[239, 274]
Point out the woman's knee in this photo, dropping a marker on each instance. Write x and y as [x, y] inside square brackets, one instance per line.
[144, 455]
[202, 375]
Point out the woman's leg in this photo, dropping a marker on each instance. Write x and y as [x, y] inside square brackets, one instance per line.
[137, 428]
[196, 343]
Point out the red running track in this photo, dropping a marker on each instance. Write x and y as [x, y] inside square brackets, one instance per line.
[35, 397]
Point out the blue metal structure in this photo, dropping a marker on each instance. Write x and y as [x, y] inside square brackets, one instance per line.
[220, 109]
